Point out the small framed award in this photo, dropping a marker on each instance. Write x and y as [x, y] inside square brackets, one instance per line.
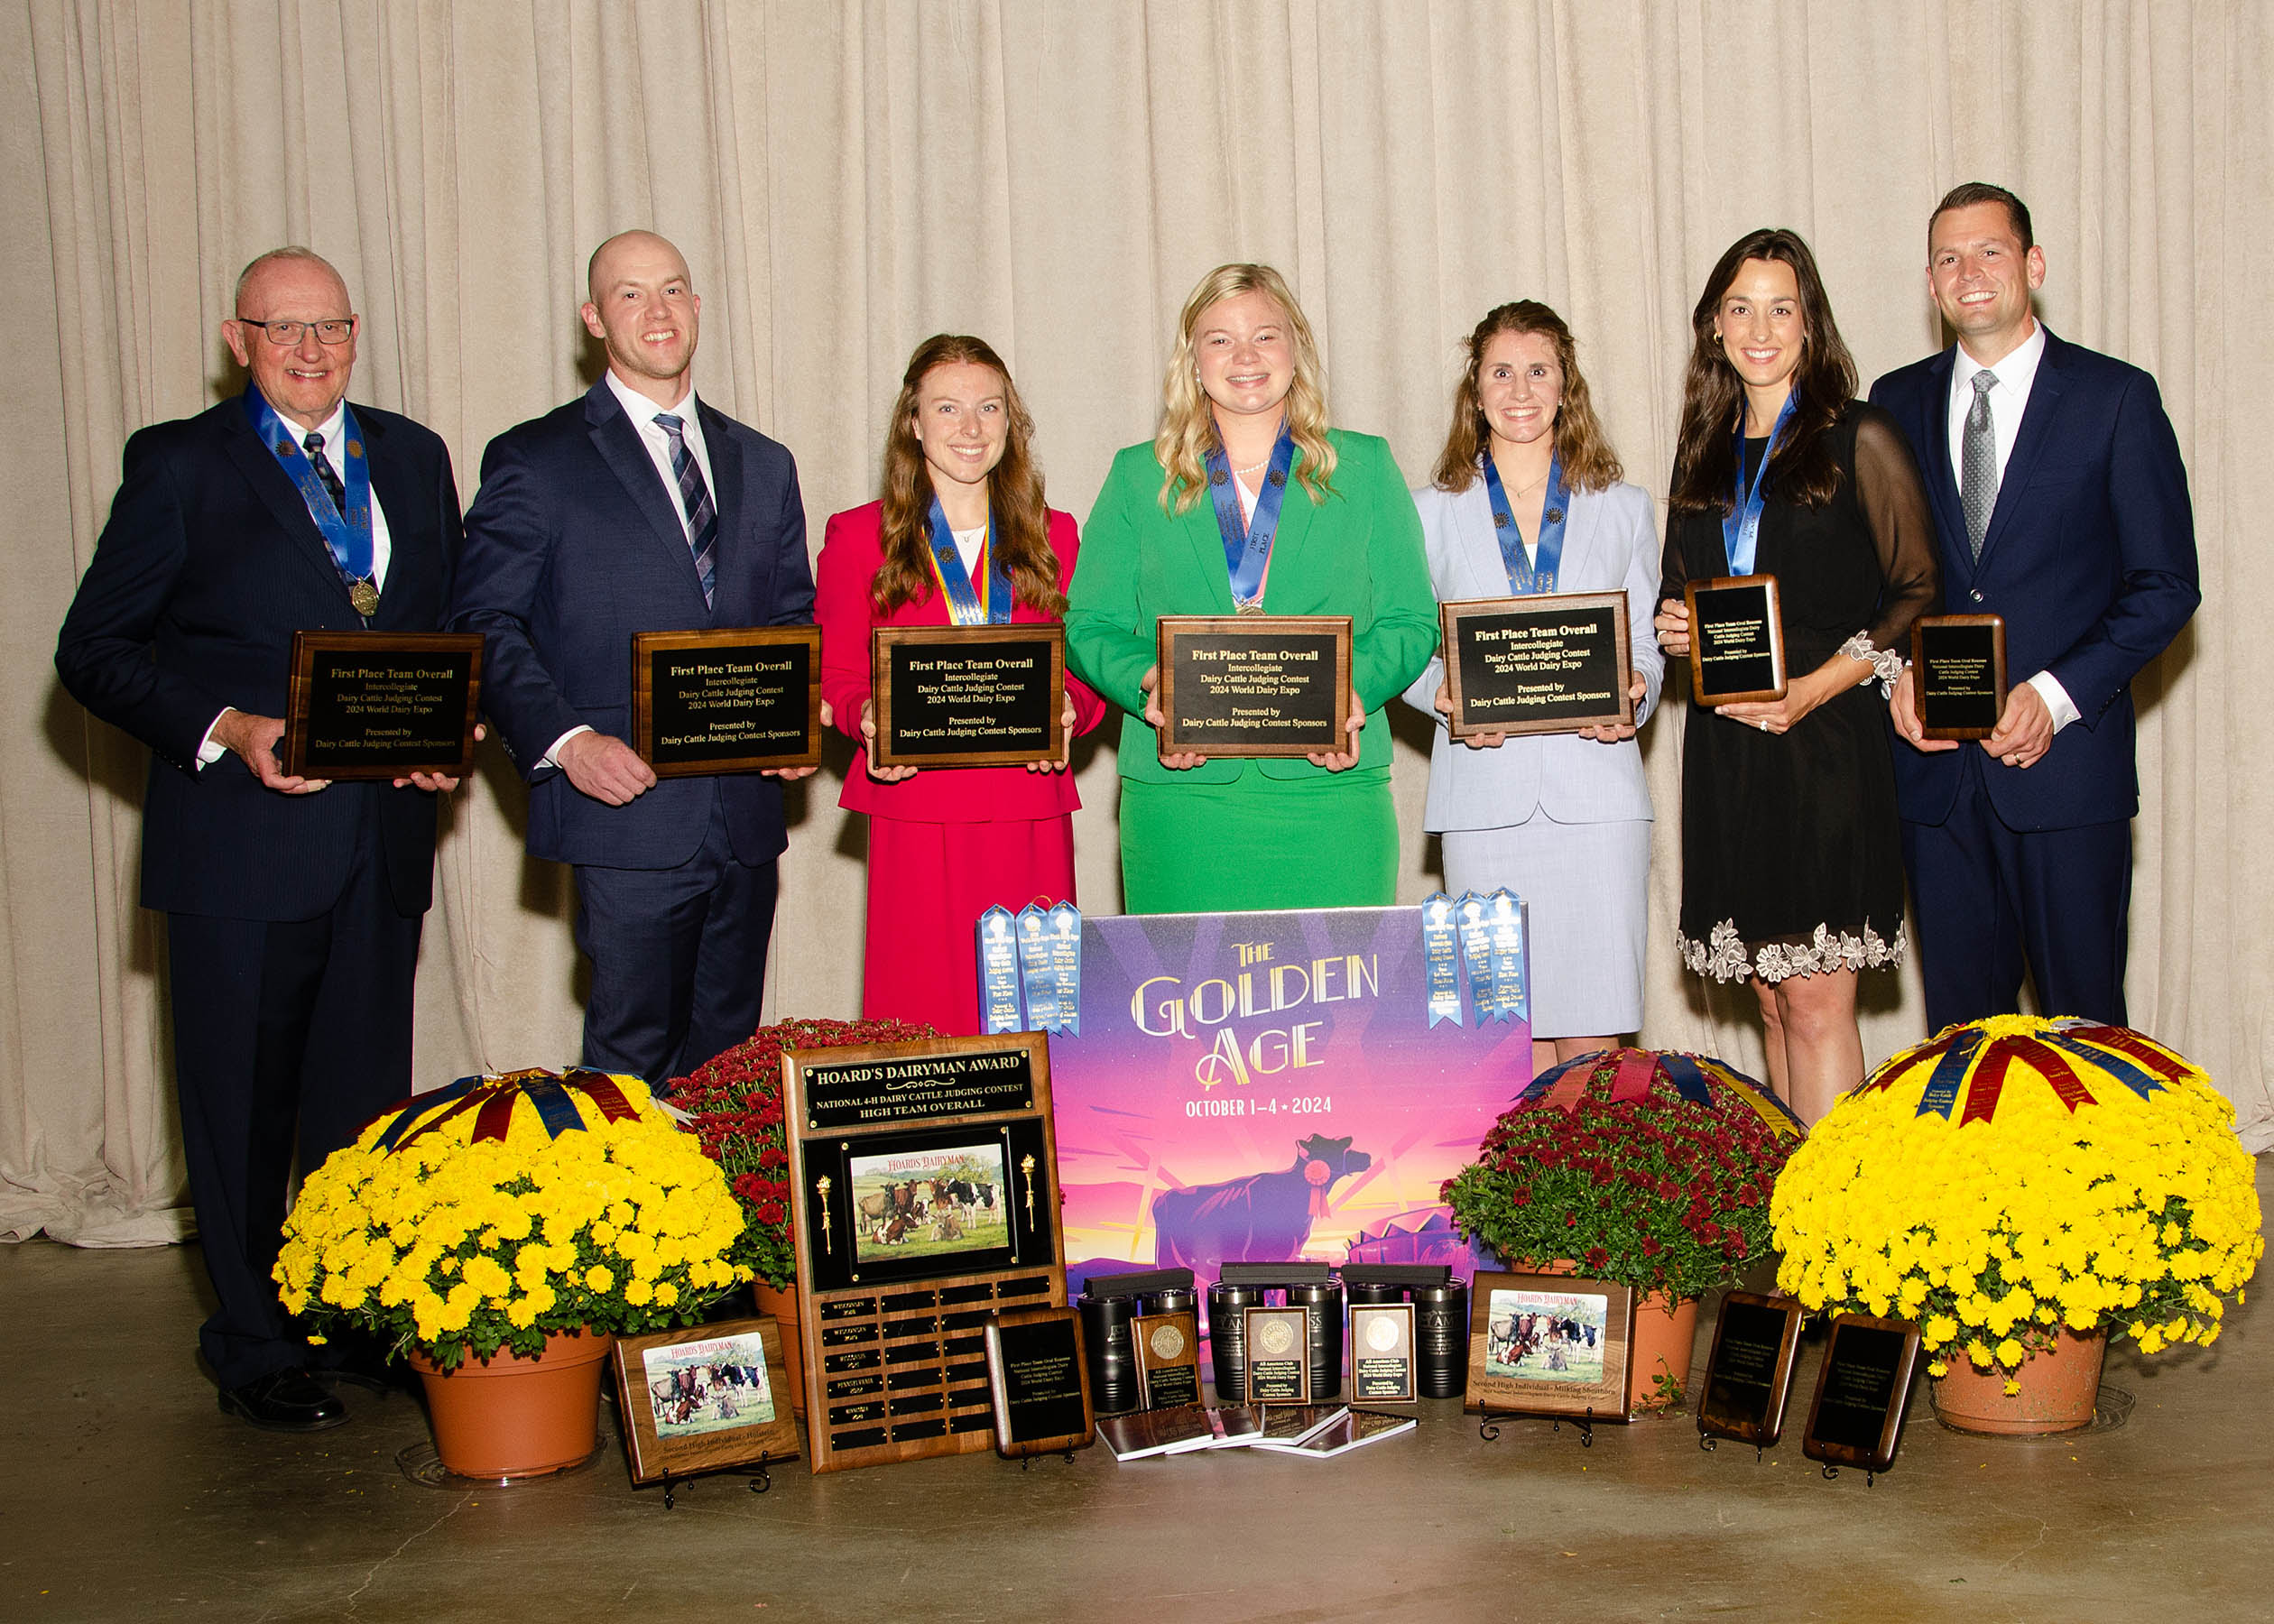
[704, 1398]
[382, 704]
[1277, 1355]
[738, 699]
[1255, 685]
[1736, 640]
[1553, 663]
[1749, 1375]
[1382, 1352]
[1167, 1349]
[968, 696]
[1550, 1345]
[1034, 1376]
[1959, 664]
[1863, 1392]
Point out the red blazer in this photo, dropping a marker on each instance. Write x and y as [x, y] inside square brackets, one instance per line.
[852, 552]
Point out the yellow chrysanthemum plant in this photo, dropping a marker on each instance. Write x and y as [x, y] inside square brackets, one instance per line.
[2017, 1175]
[500, 1209]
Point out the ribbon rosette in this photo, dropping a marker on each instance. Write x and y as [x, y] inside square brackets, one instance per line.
[553, 1096]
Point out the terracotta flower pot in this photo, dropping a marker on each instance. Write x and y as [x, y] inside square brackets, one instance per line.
[510, 1416]
[2057, 1390]
[1664, 1343]
[784, 1307]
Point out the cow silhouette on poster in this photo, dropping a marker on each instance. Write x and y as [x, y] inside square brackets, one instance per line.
[1264, 1217]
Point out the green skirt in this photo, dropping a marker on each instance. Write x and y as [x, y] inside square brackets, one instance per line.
[1259, 842]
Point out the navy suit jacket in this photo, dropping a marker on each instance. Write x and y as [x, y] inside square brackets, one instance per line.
[572, 545]
[206, 566]
[2090, 557]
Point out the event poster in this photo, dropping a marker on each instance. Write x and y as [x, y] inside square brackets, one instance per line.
[1268, 1086]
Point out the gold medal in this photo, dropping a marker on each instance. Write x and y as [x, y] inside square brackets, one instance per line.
[364, 597]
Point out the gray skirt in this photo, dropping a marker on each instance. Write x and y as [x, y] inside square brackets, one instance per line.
[1587, 886]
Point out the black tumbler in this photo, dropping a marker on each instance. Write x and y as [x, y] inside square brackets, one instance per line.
[1322, 1306]
[1169, 1299]
[1440, 1338]
[1110, 1357]
[1370, 1292]
[1227, 1338]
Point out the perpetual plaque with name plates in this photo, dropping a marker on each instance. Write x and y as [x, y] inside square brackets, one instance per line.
[382, 704]
[1736, 640]
[1958, 662]
[1552, 663]
[736, 699]
[1254, 685]
[969, 695]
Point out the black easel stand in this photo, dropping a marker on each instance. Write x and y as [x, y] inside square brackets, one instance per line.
[1708, 1443]
[1586, 1424]
[1027, 1461]
[761, 1481]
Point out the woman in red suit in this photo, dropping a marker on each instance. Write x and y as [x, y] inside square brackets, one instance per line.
[961, 533]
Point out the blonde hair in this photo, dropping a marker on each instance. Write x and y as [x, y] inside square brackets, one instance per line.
[1187, 427]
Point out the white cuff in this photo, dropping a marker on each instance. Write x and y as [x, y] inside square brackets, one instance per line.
[552, 757]
[2057, 699]
[209, 752]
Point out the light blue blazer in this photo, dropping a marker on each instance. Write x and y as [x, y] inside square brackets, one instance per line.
[1609, 542]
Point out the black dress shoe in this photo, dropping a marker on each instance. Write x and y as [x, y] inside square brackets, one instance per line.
[284, 1401]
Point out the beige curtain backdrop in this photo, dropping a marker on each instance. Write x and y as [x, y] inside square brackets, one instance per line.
[1055, 174]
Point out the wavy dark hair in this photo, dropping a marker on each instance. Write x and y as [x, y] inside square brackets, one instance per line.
[1589, 463]
[1015, 492]
[1803, 469]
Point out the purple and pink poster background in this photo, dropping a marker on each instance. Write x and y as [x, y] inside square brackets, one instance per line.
[1267, 1086]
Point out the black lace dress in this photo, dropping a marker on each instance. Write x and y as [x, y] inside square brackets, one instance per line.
[1791, 860]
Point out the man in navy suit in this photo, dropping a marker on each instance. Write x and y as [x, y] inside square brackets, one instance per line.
[292, 906]
[2060, 504]
[638, 507]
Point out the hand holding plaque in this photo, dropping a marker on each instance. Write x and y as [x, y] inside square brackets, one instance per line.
[1555, 662]
[382, 704]
[737, 700]
[1736, 640]
[968, 696]
[1254, 685]
[1959, 664]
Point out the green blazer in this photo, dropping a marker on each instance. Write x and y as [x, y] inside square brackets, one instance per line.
[1358, 553]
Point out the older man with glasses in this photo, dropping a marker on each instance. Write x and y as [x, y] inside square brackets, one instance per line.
[292, 905]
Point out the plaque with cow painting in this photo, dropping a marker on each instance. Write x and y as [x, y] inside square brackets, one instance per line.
[926, 1180]
[1550, 1345]
[703, 1398]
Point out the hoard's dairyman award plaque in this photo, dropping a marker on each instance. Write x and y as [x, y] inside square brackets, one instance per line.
[382, 704]
[1958, 662]
[1553, 663]
[1736, 640]
[738, 699]
[969, 695]
[1255, 685]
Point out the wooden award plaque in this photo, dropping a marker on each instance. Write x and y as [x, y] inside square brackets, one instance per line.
[1553, 663]
[968, 696]
[382, 704]
[738, 699]
[1736, 640]
[1255, 685]
[1550, 1345]
[1277, 1355]
[703, 1398]
[1749, 1375]
[1958, 671]
[1382, 1353]
[1035, 1373]
[1167, 1347]
[1863, 1392]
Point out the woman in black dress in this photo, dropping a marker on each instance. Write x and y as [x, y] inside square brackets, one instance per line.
[1792, 872]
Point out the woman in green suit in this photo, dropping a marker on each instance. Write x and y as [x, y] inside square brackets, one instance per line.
[1322, 524]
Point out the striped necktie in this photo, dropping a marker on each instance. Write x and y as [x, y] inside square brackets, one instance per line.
[702, 518]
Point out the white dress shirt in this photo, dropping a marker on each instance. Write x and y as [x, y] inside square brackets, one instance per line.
[2016, 375]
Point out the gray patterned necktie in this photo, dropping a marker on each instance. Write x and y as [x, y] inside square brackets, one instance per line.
[1978, 466]
[702, 517]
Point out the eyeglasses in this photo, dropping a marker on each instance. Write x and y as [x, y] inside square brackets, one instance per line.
[289, 333]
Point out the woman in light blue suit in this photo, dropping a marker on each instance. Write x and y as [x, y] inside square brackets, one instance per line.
[1561, 819]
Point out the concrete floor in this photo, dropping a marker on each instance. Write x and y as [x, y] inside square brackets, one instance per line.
[129, 1496]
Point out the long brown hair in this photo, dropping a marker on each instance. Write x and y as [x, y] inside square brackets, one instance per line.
[1021, 544]
[1585, 450]
[1802, 468]
[1187, 426]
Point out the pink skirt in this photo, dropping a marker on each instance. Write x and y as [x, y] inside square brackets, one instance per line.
[927, 884]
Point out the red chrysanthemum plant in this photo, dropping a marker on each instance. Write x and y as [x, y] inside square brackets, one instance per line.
[735, 1101]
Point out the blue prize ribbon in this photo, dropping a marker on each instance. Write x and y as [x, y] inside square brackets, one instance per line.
[1476, 953]
[1506, 914]
[1950, 1071]
[1741, 526]
[1247, 546]
[1065, 965]
[2114, 1064]
[999, 972]
[1540, 577]
[1440, 958]
[1034, 970]
[347, 534]
[963, 607]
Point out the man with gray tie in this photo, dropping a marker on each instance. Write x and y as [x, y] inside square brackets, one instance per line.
[2060, 504]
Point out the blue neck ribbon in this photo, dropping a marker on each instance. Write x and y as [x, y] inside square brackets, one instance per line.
[347, 534]
[1540, 577]
[1247, 545]
[963, 607]
[1741, 526]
